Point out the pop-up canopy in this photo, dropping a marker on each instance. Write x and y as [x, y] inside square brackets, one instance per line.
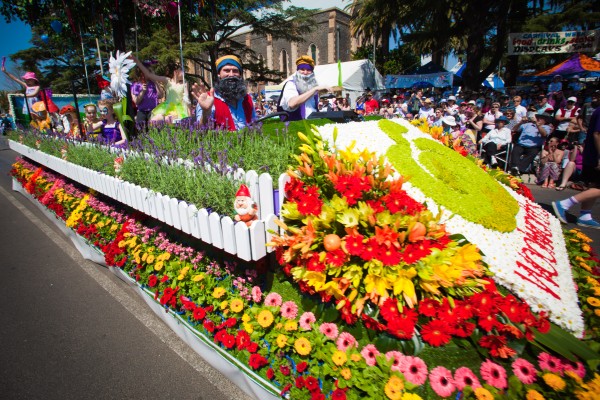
[578, 64]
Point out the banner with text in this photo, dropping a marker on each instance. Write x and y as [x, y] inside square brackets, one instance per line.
[552, 42]
[441, 79]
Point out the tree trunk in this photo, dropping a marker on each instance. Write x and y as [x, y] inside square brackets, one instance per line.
[118, 28]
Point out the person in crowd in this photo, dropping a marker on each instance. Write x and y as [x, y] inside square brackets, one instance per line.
[415, 102]
[40, 119]
[504, 103]
[344, 105]
[427, 112]
[91, 120]
[33, 93]
[565, 116]
[145, 94]
[473, 122]
[575, 85]
[511, 115]
[520, 110]
[557, 100]
[496, 140]
[590, 174]
[550, 164]
[371, 105]
[176, 104]
[487, 105]
[555, 85]
[228, 102]
[386, 110]
[437, 117]
[360, 105]
[112, 131]
[451, 107]
[572, 165]
[542, 106]
[532, 135]
[489, 118]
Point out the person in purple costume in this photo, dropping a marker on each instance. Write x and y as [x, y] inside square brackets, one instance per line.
[112, 131]
[145, 96]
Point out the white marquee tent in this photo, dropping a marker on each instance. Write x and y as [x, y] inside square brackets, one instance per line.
[357, 77]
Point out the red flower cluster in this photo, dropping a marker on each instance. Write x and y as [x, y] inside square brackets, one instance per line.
[352, 186]
[307, 198]
[257, 361]
[311, 384]
[113, 254]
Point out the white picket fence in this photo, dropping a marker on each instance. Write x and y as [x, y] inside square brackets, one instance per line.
[247, 243]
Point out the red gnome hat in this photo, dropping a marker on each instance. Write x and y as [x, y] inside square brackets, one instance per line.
[243, 191]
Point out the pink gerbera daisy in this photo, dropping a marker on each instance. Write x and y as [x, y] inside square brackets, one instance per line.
[369, 352]
[289, 310]
[306, 321]
[345, 341]
[494, 374]
[550, 363]
[396, 358]
[577, 367]
[256, 294]
[441, 381]
[414, 370]
[273, 299]
[464, 377]
[524, 370]
[329, 329]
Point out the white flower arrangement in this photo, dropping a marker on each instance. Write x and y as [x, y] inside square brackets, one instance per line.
[514, 257]
[119, 68]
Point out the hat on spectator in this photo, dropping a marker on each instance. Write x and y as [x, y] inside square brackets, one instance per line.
[557, 76]
[30, 75]
[464, 103]
[451, 98]
[229, 60]
[502, 118]
[305, 62]
[443, 101]
[573, 99]
[575, 76]
[546, 116]
[472, 102]
[385, 101]
[428, 101]
[449, 120]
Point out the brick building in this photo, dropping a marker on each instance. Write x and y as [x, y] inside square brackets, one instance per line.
[330, 39]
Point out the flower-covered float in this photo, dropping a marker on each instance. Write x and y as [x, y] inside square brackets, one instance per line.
[381, 291]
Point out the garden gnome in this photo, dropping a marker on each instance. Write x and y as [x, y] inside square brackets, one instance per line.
[245, 207]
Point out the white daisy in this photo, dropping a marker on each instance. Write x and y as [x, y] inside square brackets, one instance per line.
[119, 68]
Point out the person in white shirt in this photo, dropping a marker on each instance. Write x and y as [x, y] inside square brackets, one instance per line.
[489, 118]
[496, 140]
[452, 107]
[427, 112]
[520, 111]
[300, 96]
[564, 116]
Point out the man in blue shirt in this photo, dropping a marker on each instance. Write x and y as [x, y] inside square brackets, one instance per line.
[532, 135]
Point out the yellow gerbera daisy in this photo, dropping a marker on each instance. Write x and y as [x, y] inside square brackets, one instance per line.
[534, 395]
[482, 393]
[218, 292]
[302, 346]
[594, 302]
[339, 357]
[237, 305]
[356, 357]
[291, 326]
[265, 318]
[281, 341]
[346, 373]
[554, 381]
[411, 396]
[394, 387]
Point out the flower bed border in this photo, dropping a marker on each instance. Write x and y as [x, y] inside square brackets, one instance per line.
[242, 376]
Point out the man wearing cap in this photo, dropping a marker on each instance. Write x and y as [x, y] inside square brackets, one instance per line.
[371, 105]
[228, 102]
[564, 116]
[496, 140]
[543, 107]
[300, 95]
[533, 134]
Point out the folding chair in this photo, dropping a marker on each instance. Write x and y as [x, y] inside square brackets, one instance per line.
[502, 156]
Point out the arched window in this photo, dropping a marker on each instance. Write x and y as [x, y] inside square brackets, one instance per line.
[313, 52]
[283, 62]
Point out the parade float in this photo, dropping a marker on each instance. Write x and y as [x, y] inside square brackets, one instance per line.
[386, 265]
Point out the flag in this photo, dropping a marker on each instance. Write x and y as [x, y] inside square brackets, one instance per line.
[340, 73]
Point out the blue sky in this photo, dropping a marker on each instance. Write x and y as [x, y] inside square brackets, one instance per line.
[16, 36]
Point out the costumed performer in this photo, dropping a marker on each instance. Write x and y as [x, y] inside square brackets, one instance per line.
[91, 119]
[146, 95]
[175, 107]
[228, 102]
[300, 95]
[70, 122]
[39, 117]
[112, 132]
[33, 91]
[245, 208]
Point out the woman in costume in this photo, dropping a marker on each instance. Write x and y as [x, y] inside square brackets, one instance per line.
[112, 132]
[176, 105]
[33, 92]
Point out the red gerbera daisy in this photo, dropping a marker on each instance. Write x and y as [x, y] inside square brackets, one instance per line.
[389, 309]
[354, 244]
[311, 383]
[199, 313]
[428, 307]
[413, 252]
[337, 258]
[315, 264]
[389, 255]
[370, 250]
[435, 333]
[242, 340]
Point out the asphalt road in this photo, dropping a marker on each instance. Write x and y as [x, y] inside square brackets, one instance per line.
[70, 329]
